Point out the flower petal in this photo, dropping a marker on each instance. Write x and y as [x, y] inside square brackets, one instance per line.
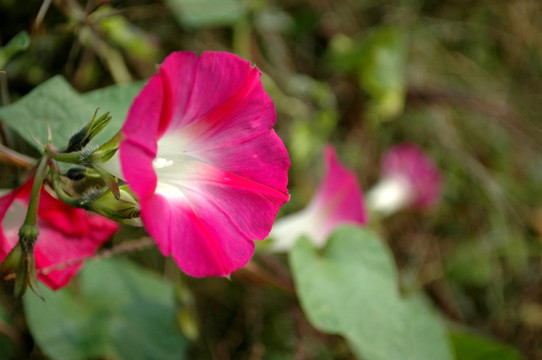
[217, 90]
[411, 163]
[339, 194]
[54, 247]
[337, 201]
[195, 236]
[59, 241]
[140, 131]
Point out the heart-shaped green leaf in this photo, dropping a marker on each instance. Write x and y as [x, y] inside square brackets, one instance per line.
[351, 288]
[66, 111]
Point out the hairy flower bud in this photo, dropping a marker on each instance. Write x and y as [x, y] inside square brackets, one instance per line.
[81, 139]
[125, 209]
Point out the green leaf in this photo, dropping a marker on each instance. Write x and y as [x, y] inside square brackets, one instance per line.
[471, 346]
[120, 311]
[66, 111]
[18, 43]
[207, 13]
[351, 288]
[382, 72]
[127, 36]
[54, 102]
[379, 61]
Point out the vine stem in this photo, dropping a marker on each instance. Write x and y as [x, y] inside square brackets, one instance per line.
[32, 210]
[13, 157]
[124, 248]
[72, 158]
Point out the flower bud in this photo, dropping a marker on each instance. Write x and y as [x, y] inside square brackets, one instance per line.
[76, 173]
[81, 139]
[125, 209]
[20, 261]
[106, 151]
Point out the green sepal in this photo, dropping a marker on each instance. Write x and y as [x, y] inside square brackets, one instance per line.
[20, 261]
[109, 180]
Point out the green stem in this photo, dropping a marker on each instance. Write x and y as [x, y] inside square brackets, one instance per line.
[71, 158]
[32, 212]
[22, 255]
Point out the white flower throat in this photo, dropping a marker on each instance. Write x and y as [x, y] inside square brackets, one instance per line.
[161, 162]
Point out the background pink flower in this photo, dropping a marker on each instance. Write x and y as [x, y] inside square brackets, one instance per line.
[199, 153]
[337, 201]
[65, 234]
[408, 178]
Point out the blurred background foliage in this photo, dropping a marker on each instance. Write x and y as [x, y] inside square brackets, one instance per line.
[463, 79]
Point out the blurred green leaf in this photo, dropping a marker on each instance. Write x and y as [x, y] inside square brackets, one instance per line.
[382, 72]
[379, 61]
[120, 311]
[127, 36]
[470, 346]
[345, 53]
[351, 288]
[18, 43]
[207, 13]
[66, 111]
[472, 263]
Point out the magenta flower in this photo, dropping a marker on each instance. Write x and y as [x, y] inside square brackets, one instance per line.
[338, 200]
[66, 233]
[409, 178]
[200, 154]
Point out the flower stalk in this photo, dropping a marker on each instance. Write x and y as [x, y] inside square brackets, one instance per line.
[21, 257]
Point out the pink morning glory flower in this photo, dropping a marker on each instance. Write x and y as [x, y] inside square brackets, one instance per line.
[199, 153]
[338, 200]
[409, 178]
[65, 233]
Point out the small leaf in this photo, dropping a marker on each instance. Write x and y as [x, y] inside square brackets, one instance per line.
[127, 36]
[470, 346]
[382, 71]
[379, 61]
[18, 43]
[207, 13]
[351, 289]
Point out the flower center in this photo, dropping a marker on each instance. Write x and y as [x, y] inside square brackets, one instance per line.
[160, 162]
[390, 195]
